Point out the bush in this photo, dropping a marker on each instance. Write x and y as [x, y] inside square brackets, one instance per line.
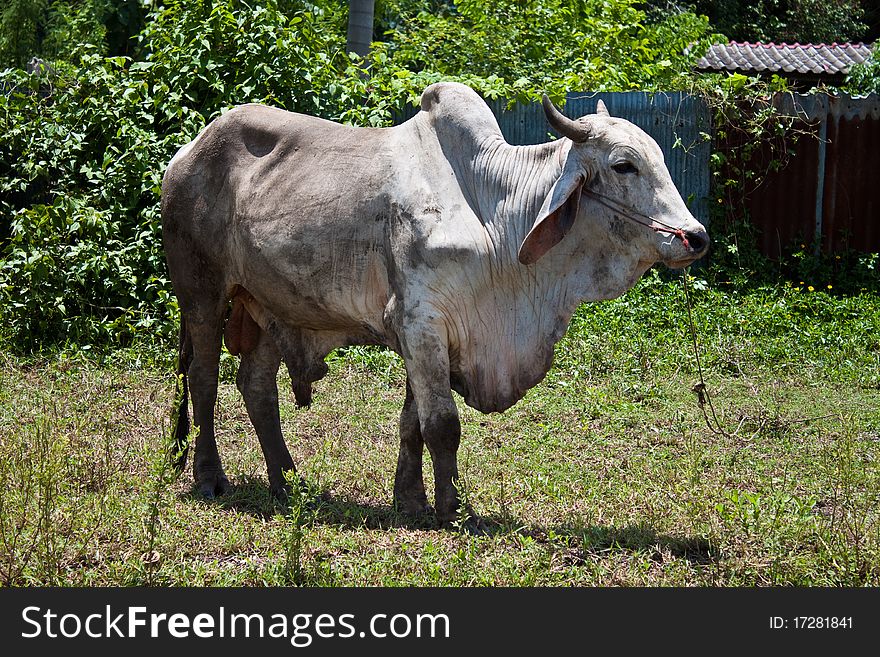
[83, 150]
[79, 188]
[553, 46]
[84, 145]
[864, 78]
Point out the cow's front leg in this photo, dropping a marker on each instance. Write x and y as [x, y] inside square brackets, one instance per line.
[442, 432]
[409, 486]
[427, 365]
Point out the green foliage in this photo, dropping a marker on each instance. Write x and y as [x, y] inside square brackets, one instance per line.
[802, 21]
[553, 45]
[849, 272]
[751, 139]
[48, 514]
[824, 21]
[82, 154]
[19, 21]
[57, 29]
[767, 331]
[79, 194]
[209, 55]
[864, 79]
[83, 146]
[84, 143]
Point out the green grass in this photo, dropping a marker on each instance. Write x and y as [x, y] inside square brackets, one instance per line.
[605, 474]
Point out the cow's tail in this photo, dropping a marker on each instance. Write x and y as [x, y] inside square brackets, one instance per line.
[180, 413]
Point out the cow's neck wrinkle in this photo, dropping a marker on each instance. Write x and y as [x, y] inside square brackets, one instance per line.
[503, 185]
[523, 310]
[506, 185]
[506, 341]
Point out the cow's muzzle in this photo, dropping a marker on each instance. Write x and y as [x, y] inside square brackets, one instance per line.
[697, 242]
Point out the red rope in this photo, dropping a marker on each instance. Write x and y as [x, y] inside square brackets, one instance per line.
[654, 224]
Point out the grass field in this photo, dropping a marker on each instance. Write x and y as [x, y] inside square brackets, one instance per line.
[605, 474]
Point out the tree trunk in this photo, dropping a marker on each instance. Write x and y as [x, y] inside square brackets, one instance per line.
[360, 26]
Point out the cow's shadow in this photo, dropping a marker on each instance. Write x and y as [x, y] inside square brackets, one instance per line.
[581, 542]
[251, 496]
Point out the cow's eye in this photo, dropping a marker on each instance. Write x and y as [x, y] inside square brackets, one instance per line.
[625, 167]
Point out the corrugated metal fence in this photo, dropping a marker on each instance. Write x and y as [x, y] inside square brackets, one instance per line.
[677, 121]
[827, 195]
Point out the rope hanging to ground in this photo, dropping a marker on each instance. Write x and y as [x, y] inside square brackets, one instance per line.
[703, 397]
[658, 226]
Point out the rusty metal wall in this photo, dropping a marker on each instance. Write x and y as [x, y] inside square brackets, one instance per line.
[852, 185]
[828, 195]
[783, 207]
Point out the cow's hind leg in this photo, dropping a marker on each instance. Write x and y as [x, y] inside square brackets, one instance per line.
[205, 332]
[257, 381]
[409, 486]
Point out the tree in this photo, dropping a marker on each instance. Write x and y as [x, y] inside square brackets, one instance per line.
[58, 29]
[864, 78]
[360, 26]
[20, 22]
[802, 21]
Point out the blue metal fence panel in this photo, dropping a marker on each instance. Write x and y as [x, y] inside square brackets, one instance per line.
[680, 124]
[522, 124]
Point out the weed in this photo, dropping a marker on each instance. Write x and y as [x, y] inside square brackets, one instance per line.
[47, 521]
[162, 476]
[293, 521]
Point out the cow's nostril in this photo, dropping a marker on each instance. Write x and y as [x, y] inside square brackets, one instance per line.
[698, 241]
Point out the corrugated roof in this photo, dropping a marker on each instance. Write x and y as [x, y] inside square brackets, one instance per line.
[789, 58]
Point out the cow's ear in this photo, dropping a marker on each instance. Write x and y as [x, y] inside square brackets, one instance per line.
[555, 219]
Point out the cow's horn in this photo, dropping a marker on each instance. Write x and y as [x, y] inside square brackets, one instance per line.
[574, 130]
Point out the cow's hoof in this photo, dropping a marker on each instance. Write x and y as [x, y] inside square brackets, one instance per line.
[213, 485]
[282, 492]
[414, 508]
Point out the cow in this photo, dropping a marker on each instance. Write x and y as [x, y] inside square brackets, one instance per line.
[435, 238]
